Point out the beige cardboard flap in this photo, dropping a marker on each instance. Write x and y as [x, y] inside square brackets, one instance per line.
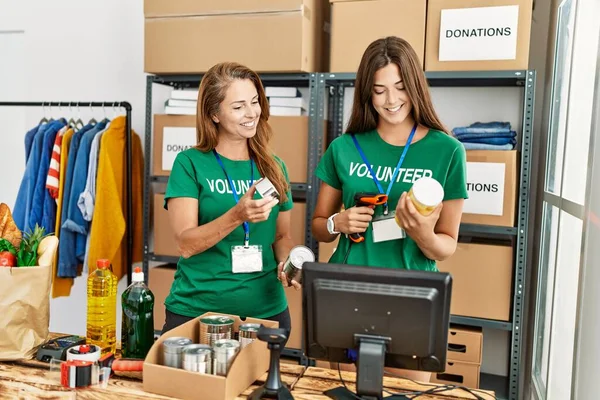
[161, 8]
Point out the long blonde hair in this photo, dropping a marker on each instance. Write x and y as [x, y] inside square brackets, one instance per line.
[379, 54]
[213, 88]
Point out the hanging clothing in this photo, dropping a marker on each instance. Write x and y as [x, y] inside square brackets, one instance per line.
[108, 234]
[75, 221]
[61, 286]
[54, 170]
[34, 204]
[29, 136]
[42, 199]
[22, 209]
[88, 197]
[67, 260]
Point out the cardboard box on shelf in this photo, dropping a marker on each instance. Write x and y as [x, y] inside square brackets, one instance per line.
[326, 250]
[465, 344]
[250, 364]
[192, 36]
[175, 133]
[164, 237]
[481, 280]
[294, 299]
[299, 223]
[355, 24]
[492, 183]
[290, 143]
[476, 35]
[160, 279]
[459, 373]
[172, 134]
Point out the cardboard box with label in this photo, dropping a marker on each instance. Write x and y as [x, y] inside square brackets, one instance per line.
[355, 24]
[476, 35]
[482, 277]
[492, 184]
[172, 135]
[175, 133]
[250, 364]
[190, 36]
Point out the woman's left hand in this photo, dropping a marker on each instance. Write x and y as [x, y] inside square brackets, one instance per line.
[416, 225]
[283, 278]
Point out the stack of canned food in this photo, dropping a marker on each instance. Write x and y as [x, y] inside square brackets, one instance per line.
[217, 348]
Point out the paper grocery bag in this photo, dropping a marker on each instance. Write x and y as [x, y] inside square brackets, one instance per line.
[24, 310]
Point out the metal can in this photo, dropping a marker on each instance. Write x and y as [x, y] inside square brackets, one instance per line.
[293, 265]
[198, 358]
[225, 351]
[172, 348]
[215, 327]
[248, 334]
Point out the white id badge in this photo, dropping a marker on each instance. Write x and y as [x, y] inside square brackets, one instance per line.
[246, 259]
[385, 228]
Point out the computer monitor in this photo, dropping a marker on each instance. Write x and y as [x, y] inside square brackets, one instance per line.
[375, 317]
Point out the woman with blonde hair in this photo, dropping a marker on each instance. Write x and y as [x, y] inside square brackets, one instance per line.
[231, 241]
[394, 137]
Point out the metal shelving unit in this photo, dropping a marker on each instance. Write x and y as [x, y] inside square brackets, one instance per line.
[327, 89]
[335, 83]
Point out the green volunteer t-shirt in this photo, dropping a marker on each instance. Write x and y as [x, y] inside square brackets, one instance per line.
[436, 155]
[205, 282]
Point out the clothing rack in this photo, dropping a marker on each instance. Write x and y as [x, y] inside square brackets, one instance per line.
[96, 104]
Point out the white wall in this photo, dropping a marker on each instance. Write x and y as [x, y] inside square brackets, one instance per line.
[71, 50]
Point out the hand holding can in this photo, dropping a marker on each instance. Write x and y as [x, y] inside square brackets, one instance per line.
[291, 270]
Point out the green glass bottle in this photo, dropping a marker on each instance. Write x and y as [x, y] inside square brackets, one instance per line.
[137, 323]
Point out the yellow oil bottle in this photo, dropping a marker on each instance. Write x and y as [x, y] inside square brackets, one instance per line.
[102, 307]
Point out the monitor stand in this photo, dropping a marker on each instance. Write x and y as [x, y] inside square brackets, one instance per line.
[369, 371]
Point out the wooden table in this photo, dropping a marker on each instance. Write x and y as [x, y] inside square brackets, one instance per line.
[30, 380]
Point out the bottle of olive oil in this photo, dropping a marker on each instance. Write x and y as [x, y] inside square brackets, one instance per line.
[102, 307]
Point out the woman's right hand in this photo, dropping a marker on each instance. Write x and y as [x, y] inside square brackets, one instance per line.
[353, 220]
[250, 210]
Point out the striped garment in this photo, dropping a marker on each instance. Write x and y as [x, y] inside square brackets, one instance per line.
[54, 170]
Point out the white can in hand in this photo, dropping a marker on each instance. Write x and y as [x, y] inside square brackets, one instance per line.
[293, 265]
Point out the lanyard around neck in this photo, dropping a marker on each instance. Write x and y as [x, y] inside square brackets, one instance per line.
[235, 195]
[395, 174]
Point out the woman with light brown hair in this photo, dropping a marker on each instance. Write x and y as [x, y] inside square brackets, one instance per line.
[231, 241]
[392, 113]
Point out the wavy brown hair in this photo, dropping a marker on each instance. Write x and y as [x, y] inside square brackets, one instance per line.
[212, 91]
[379, 54]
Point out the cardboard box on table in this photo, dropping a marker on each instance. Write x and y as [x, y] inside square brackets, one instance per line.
[250, 364]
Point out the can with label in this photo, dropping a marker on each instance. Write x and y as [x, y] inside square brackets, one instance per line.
[198, 358]
[225, 351]
[215, 327]
[293, 265]
[172, 349]
[248, 334]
